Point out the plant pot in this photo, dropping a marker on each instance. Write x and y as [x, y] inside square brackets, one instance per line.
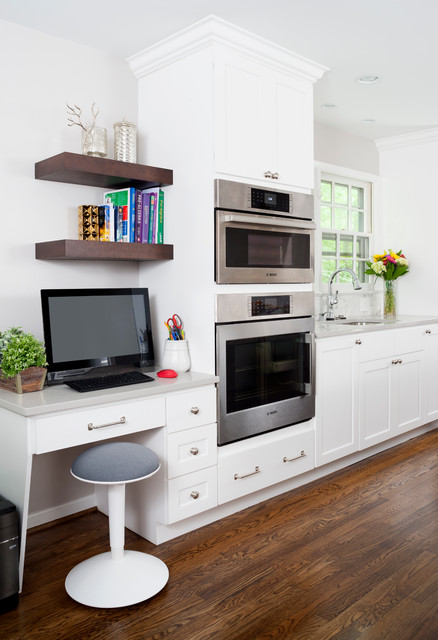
[31, 379]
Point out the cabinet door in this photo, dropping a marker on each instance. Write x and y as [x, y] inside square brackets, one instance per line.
[407, 390]
[336, 380]
[374, 402]
[430, 410]
[264, 123]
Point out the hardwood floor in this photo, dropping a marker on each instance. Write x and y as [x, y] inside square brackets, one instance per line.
[351, 556]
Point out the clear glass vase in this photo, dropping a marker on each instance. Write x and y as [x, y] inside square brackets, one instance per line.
[94, 142]
[390, 299]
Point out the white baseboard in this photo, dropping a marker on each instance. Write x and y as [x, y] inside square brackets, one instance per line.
[61, 511]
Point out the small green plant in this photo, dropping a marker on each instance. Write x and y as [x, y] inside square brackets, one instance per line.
[18, 351]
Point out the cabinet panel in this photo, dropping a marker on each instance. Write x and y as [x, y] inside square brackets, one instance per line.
[374, 407]
[70, 428]
[336, 430]
[409, 391]
[430, 409]
[191, 409]
[191, 450]
[264, 460]
[264, 123]
[375, 345]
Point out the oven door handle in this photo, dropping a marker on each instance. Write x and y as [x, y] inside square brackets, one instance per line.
[310, 340]
[266, 221]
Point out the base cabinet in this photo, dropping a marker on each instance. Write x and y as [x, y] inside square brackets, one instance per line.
[370, 388]
[336, 422]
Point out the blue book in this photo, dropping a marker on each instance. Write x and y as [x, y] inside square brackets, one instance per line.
[124, 197]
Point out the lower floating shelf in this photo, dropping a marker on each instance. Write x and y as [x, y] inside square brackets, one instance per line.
[89, 250]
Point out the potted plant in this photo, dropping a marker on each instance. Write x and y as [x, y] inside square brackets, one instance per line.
[22, 361]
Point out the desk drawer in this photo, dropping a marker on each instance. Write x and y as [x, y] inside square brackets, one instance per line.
[70, 428]
[192, 494]
[191, 409]
[191, 450]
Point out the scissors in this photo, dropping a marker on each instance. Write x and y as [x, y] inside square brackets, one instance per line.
[175, 327]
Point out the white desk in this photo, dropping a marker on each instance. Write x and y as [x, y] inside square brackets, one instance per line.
[59, 417]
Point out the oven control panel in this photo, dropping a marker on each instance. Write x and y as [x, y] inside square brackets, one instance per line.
[270, 305]
[241, 307]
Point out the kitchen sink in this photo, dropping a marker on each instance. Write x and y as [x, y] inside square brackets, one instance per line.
[359, 323]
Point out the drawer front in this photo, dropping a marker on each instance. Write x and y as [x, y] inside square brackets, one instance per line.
[409, 339]
[192, 494]
[375, 345]
[264, 461]
[191, 450]
[191, 409]
[67, 429]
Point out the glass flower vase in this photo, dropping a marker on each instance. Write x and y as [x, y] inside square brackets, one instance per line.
[390, 299]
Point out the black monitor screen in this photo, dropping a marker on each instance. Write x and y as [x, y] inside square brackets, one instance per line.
[85, 328]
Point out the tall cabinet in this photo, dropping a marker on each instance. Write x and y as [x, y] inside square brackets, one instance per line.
[217, 101]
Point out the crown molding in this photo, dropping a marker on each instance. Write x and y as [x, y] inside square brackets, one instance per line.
[407, 139]
[213, 31]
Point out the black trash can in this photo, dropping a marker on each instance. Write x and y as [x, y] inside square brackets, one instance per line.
[9, 555]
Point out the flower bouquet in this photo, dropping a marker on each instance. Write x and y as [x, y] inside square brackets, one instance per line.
[389, 266]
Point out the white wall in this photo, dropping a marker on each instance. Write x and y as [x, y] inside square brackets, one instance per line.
[409, 169]
[38, 75]
[337, 147]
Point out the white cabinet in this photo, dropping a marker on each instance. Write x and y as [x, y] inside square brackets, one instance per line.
[191, 444]
[264, 460]
[431, 373]
[264, 123]
[390, 387]
[369, 388]
[336, 423]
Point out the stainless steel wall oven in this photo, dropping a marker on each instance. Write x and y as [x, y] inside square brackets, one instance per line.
[262, 236]
[265, 361]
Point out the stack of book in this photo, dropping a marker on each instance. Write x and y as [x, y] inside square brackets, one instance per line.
[127, 215]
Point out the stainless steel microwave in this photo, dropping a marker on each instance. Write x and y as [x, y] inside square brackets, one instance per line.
[262, 236]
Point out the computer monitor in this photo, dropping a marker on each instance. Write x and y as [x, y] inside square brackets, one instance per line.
[89, 329]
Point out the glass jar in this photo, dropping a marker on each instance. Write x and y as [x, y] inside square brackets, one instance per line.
[94, 142]
[125, 141]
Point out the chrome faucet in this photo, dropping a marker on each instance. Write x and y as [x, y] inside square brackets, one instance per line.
[333, 299]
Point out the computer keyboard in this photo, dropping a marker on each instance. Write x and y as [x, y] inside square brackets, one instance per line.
[108, 382]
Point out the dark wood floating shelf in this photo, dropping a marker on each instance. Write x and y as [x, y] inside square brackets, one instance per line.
[75, 168]
[88, 250]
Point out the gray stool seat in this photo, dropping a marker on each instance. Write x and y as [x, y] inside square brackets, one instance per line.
[117, 578]
[115, 462]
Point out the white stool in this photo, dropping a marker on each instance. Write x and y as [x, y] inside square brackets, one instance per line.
[117, 578]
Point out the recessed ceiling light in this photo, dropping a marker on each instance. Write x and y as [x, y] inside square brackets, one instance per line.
[328, 105]
[368, 79]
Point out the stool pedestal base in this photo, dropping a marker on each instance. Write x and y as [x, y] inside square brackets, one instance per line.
[104, 582]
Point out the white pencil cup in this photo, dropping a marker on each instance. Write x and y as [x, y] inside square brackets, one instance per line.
[176, 355]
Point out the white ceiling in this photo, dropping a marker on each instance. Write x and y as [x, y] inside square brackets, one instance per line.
[394, 39]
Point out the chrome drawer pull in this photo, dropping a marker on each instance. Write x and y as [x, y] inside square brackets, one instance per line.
[194, 495]
[302, 454]
[428, 331]
[195, 410]
[91, 426]
[253, 473]
[358, 341]
[194, 451]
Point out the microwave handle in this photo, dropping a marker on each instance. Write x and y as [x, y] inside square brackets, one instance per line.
[265, 221]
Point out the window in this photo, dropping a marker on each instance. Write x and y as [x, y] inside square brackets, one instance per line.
[345, 227]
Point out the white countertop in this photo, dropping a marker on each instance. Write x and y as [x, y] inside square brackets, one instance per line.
[60, 397]
[328, 328]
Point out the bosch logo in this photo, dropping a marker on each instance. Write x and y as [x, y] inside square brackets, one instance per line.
[271, 275]
[271, 413]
